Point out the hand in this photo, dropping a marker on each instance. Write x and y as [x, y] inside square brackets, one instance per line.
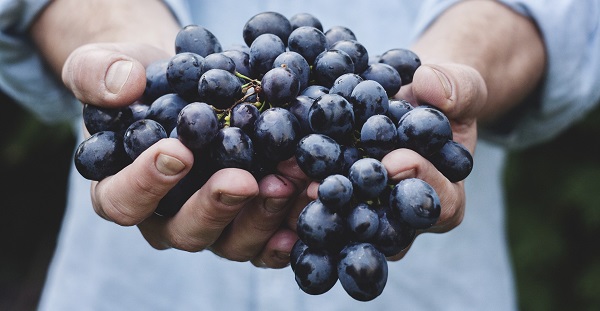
[232, 214]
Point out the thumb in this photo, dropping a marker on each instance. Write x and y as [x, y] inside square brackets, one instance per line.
[107, 74]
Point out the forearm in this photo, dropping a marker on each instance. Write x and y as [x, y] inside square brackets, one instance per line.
[505, 47]
[68, 24]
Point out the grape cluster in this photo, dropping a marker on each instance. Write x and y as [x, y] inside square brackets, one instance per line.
[293, 90]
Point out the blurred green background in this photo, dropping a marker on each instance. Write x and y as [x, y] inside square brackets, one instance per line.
[553, 193]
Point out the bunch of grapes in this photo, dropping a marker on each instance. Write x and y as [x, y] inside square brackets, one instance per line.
[293, 90]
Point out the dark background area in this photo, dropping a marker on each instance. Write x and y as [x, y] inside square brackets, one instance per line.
[553, 193]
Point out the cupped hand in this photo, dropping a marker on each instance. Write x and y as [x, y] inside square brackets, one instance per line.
[232, 214]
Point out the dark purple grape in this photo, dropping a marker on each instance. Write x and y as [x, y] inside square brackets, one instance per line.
[299, 107]
[241, 60]
[378, 136]
[276, 134]
[183, 72]
[232, 148]
[297, 64]
[321, 228]
[297, 250]
[263, 52]
[398, 108]
[266, 22]
[350, 154]
[344, 85]
[197, 125]
[165, 110]
[140, 135]
[335, 191]
[368, 98]
[319, 156]
[315, 271]
[392, 236]
[362, 271]
[219, 61]
[331, 64]
[362, 222]
[219, 88]
[197, 39]
[454, 161]
[139, 110]
[404, 61]
[305, 19]
[357, 51]
[307, 41]
[332, 115]
[424, 130]
[280, 86]
[415, 203]
[101, 155]
[157, 84]
[244, 115]
[97, 119]
[386, 75]
[338, 33]
[315, 91]
[369, 178]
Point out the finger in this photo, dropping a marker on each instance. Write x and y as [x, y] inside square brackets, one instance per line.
[108, 74]
[205, 215]
[132, 194]
[457, 90]
[257, 221]
[276, 253]
[405, 163]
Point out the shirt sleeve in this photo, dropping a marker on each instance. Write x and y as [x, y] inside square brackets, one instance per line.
[23, 74]
[571, 33]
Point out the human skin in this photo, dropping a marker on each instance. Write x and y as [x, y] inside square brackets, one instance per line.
[480, 59]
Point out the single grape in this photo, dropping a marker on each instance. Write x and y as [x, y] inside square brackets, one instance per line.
[101, 155]
[378, 136]
[338, 33]
[315, 271]
[362, 271]
[362, 222]
[386, 75]
[331, 64]
[97, 119]
[219, 88]
[332, 115]
[157, 84]
[392, 236]
[219, 61]
[263, 52]
[165, 110]
[315, 91]
[280, 86]
[196, 39]
[244, 115]
[297, 250]
[297, 64]
[232, 148]
[139, 110]
[241, 60]
[335, 191]
[397, 109]
[266, 22]
[404, 61]
[308, 42]
[345, 84]
[276, 134]
[369, 178]
[415, 203]
[142, 134]
[305, 19]
[300, 107]
[197, 125]
[319, 156]
[424, 130]
[368, 98]
[321, 228]
[183, 72]
[454, 161]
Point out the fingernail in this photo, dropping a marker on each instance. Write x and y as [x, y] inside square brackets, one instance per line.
[405, 174]
[443, 80]
[275, 205]
[169, 165]
[117, 74]
[230, 200]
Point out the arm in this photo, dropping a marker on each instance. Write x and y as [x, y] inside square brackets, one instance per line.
[101, 52]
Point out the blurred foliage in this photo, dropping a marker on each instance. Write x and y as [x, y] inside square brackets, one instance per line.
[553, 198]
